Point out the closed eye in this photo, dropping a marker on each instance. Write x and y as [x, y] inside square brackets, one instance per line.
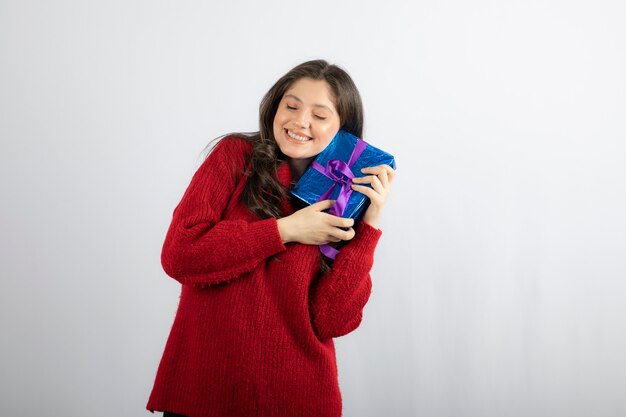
[320, 117]
[290, 107]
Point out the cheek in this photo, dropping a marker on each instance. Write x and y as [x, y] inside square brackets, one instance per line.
[278, 123]
[281, 117]
[328, 132]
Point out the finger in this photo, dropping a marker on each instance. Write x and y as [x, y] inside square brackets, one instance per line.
[374, 180]
[331, 238]
[337, 221]
[372, 170]
[384, 178]
[322, 205]
[341, 234]
[377, 184]
[367, 179]
[369, 192]
[377, 170]
[349, 234]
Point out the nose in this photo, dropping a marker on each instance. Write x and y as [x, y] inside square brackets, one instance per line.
[302, 122]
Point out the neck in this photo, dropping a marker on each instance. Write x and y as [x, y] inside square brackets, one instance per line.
[298, 166]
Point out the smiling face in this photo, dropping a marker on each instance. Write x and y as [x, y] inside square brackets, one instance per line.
[306, 119]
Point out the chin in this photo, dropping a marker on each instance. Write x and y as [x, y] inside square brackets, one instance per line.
[297, 155]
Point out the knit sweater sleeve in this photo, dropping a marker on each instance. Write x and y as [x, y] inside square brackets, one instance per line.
[202, 249]
[338, 297]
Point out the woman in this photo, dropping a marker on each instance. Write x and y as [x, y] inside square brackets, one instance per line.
[260, 305]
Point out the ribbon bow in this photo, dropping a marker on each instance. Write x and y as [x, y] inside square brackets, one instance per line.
[342, 175]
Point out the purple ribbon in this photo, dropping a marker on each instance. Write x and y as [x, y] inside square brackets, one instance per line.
[342, 175]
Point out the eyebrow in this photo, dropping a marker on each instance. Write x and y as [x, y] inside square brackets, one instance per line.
[315, 105]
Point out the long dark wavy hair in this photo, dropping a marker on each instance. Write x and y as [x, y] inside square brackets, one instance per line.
[263, 192]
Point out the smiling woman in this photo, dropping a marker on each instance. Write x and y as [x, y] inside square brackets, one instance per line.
[259, 305]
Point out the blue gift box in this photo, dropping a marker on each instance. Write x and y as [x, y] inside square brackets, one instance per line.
[333, 161]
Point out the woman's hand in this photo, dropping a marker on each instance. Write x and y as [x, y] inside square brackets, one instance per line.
[380, 179]
[312, 226]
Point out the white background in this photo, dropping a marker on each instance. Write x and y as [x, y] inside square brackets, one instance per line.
[499, 282]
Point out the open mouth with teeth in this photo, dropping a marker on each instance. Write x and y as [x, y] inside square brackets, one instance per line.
[296, 138]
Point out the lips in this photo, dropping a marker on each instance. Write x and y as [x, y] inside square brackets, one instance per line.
[296, 137]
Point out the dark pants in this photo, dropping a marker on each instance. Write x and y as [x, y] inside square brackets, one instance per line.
[167, 414]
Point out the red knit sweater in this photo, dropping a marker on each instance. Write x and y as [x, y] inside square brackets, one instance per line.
[253, 331]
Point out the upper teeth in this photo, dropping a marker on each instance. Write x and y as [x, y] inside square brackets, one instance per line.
[297, 137]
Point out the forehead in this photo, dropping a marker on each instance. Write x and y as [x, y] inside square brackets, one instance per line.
[312, 92]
